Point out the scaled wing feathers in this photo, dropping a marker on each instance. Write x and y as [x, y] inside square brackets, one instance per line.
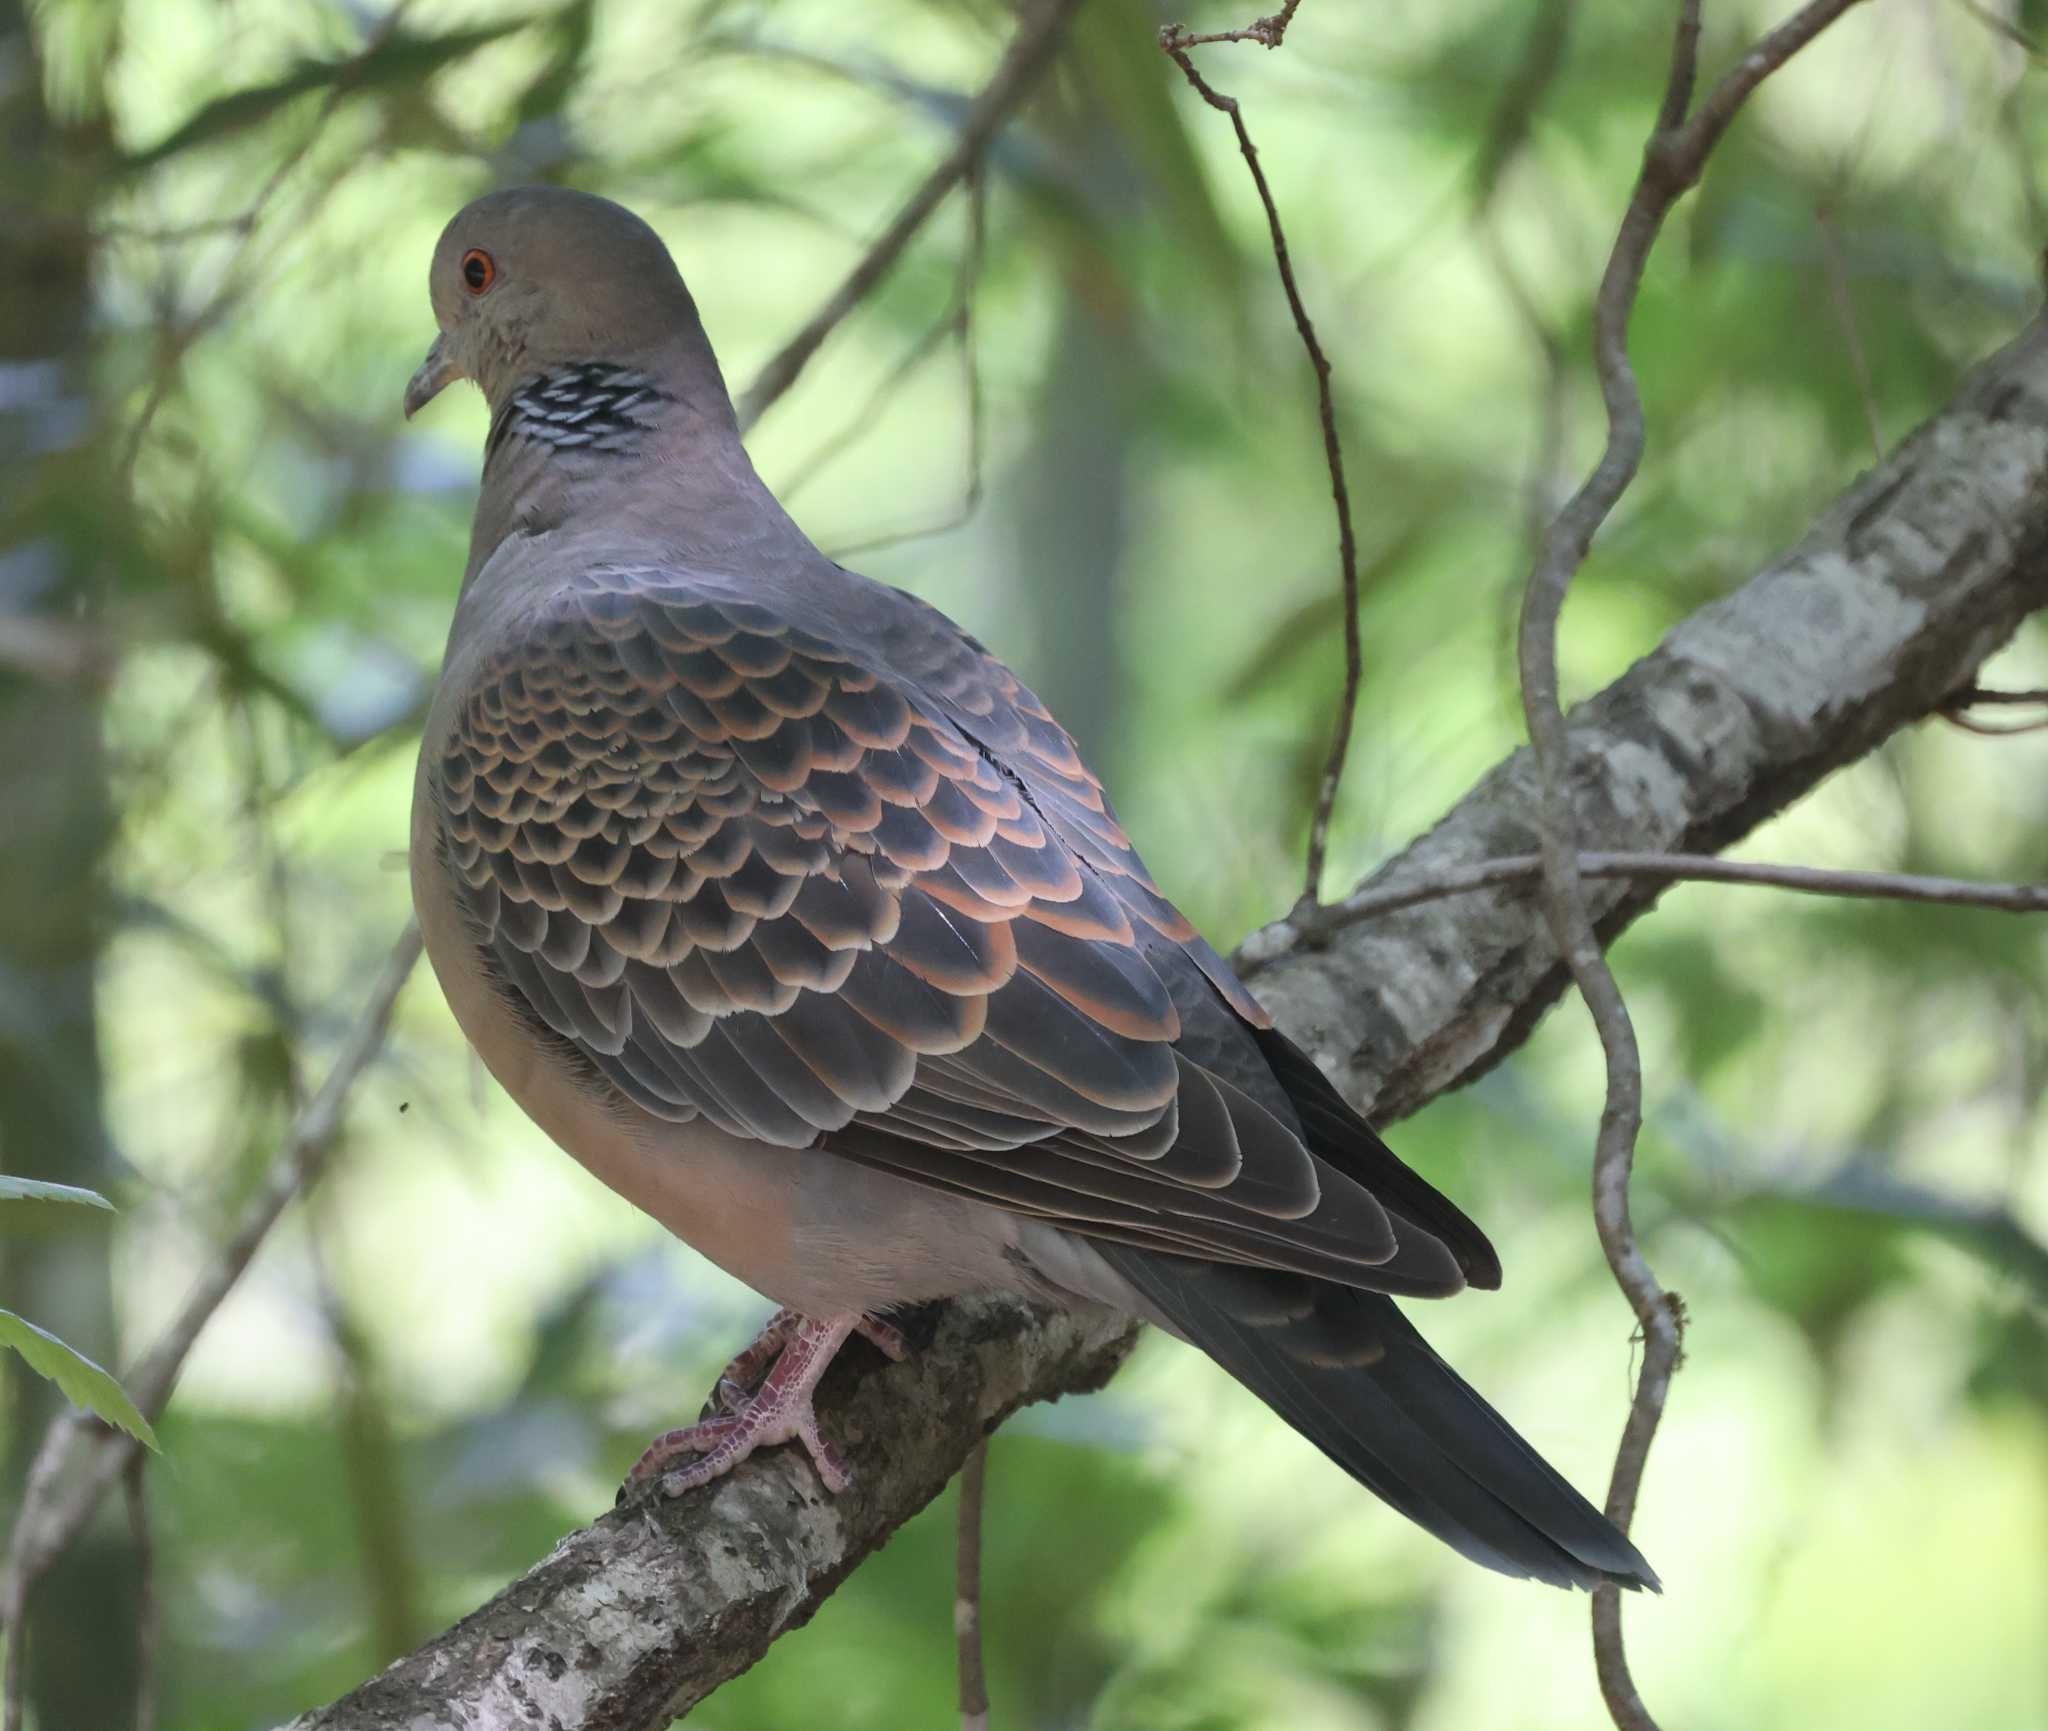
[863, 891]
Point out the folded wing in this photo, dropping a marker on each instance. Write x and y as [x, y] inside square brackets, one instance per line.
[858, 891]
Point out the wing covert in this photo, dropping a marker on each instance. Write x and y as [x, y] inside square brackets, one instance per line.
[751, 879]
[807, 886]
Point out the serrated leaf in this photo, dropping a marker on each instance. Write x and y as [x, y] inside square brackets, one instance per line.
[40, 1190]
[82, 1382]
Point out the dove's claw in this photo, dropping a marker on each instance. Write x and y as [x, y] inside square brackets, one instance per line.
[884, 1339]
[743, 1375]
[778, 1411]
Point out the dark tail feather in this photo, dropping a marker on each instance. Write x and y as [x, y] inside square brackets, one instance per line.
[1336, 1132]
[1348, 1370]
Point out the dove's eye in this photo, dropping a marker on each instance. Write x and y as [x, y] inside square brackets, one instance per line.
[479, 270]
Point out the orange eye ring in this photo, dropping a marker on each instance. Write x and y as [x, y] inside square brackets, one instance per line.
[479, 271]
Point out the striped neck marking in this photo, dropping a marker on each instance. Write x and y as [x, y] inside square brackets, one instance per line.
[584, 406]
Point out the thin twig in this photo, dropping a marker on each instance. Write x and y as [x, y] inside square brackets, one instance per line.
[1673, 161]
[1267, 32]
[1993, 729]
[43, 1469]
[49, 1518]
[1176, 40]
[960, 323]
[238, 277]
[862, 421]
[1030, 52]
[1314, 927]
[2005, 27]
[967, 1591]
[1558, 559]
[1508, 134]
[1972, 696]
[1542, 480]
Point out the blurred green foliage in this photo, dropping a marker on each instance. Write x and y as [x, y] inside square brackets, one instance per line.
[447, 1359]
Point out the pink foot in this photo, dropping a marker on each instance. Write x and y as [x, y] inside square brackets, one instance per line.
[740, 1377]
[778, 1411]
[750, 1364]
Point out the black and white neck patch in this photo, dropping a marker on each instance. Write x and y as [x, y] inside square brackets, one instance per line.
[585, 406]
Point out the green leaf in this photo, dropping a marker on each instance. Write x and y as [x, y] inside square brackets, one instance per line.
[40, 1190]
[82, 1382]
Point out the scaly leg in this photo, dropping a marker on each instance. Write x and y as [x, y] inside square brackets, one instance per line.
[740, 1377]
[778, 1411]
[750, 1364]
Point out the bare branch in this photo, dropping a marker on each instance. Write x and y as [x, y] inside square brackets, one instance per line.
[62, 1492]
[1562, 551]
[959, 322]
[1316, 927]
[1268, 32]
[967, 1591]
[1672, 162]
[1176, 40]
[177, 336]
[1978, 694]
[1685, 155]
[1030, 52]
[629, 1622]
[1954, 711]
[1883, 612]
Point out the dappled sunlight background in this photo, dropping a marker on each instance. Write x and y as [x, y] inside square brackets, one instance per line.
[449, 1356]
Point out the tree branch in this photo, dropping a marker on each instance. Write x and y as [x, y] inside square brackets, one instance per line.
[1030, 52]
[629, 1622]
[1673, 161]
[66, 1484]
[1176, 40]
[1317, 925]
[1888, 607]
[967, 1591]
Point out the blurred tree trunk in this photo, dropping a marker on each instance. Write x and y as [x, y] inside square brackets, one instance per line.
[1073, 502]
[1070, 528]
[56, 524]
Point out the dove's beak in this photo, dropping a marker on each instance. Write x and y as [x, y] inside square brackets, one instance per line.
[438, 371]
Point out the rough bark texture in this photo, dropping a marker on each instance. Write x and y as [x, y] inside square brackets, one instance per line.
[629, 1622]
[1890, 604]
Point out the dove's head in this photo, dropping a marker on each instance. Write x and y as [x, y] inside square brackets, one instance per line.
[540, 277]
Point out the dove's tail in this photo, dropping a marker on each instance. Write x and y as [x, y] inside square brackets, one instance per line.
[1349, 1371]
